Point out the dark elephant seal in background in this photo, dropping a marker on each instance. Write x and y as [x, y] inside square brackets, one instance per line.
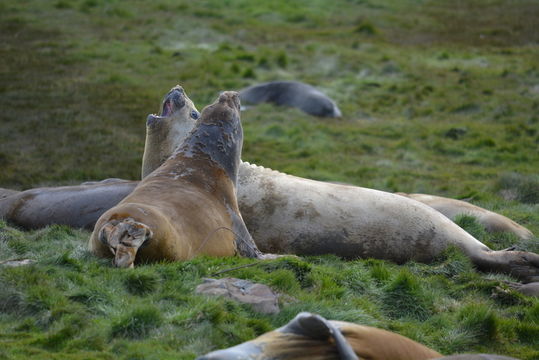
[291, 93]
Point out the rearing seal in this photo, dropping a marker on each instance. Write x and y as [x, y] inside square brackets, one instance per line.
[176, 212]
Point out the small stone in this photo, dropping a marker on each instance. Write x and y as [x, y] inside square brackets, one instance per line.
[259, 296]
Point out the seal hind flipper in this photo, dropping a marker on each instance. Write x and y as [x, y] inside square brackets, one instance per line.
[124, 238]
[520, 264]
[318, 328]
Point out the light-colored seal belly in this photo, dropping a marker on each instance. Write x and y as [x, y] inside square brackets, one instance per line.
[452, 208]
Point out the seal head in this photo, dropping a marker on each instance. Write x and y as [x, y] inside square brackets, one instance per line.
[165, 131]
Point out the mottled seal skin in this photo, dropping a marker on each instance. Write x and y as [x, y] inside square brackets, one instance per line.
[288, 214]
[81, 205]
[311, 337]
[291, 93]
[492, 221]
[187, 206]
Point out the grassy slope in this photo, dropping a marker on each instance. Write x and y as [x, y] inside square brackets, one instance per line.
[438, 97]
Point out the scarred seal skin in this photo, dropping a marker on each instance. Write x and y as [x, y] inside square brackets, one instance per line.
[309, 336]
[187, 206]
[291, 93]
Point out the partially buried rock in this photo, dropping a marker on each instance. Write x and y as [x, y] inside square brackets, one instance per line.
[17, 262]
[259, 296]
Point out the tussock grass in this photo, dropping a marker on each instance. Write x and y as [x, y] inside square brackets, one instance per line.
[436, 99]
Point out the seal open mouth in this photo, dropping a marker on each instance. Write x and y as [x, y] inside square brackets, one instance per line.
[174, 100]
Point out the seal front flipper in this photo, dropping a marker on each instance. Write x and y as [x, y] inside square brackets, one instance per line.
[124, 238]
[316, 327]
[245, 245]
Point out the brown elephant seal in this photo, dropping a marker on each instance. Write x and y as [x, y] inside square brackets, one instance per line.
[309, 336]
[291, 93]
[492, 221]
[81, 205]
[187, 206]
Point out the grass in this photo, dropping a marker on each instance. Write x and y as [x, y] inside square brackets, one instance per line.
[436, 99]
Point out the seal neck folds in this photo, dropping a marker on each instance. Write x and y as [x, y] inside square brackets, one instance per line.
[218, 135]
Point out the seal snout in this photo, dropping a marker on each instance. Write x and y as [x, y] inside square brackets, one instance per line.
[230, 98]
[174, 100]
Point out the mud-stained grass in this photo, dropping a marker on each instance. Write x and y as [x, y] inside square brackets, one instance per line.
[435, 99]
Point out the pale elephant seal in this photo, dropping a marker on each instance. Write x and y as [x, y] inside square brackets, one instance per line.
[81, 205]
[186, 207]
[492, 221]
[291, 93]
[310, 336]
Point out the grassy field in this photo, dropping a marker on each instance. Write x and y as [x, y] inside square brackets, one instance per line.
[439, 97]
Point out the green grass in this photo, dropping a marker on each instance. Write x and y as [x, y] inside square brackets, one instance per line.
[438, 97]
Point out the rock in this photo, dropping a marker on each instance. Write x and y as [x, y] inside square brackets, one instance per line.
[14, 263]
[259, 296]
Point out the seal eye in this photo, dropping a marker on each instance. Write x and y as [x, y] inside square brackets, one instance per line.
[194, 114]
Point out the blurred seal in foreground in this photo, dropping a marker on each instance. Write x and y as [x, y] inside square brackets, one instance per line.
[309, 336]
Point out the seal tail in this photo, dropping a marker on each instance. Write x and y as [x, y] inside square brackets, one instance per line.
[124, 238]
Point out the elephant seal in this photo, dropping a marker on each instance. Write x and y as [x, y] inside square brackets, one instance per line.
[291, 93]
[177, 118]
[492, 221]
[530, 289]
[310, 336]
[288, 214]
[188, 205]
[81, 205]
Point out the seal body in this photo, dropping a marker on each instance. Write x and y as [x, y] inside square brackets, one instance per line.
[289, 214]
[492, 221]
[188, 205]
[78, 206]
[291, 93]
[310, 336]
